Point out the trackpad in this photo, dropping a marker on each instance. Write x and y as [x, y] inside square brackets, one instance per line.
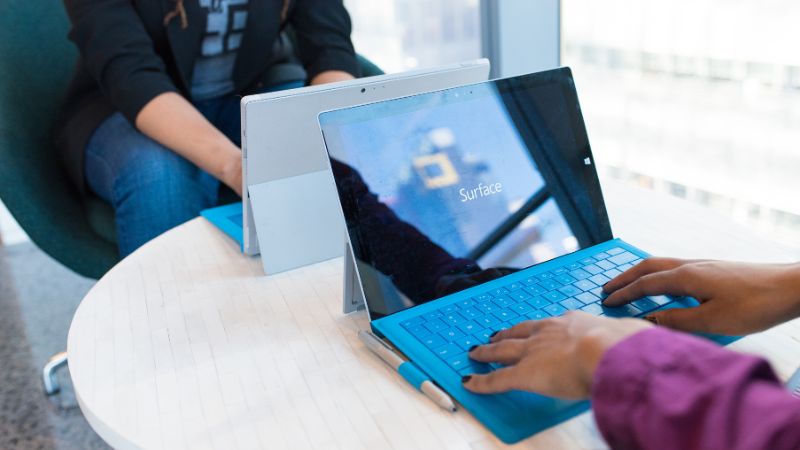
[298, 221]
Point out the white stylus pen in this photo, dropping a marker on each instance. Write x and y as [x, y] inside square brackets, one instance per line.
[408, 370]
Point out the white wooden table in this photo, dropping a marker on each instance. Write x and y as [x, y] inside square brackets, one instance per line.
[186, 344]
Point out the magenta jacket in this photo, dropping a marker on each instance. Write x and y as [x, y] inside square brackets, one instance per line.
[660, 389]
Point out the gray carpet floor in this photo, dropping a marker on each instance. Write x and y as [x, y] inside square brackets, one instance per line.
[37, 300]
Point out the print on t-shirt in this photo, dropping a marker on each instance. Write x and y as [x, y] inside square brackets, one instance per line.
[226, 24]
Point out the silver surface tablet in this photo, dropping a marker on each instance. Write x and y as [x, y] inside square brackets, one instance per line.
[282, 143]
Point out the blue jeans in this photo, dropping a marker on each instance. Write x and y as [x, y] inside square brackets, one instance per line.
[151, 188]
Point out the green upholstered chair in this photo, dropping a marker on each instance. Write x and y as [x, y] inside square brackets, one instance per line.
[36, 60]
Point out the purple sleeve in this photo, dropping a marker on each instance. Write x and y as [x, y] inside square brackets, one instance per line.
[662, 389]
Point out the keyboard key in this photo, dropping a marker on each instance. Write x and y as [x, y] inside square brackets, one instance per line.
[598, 291]
[645, 304]
[623, 258]
[469, 327]
[466, 342]
[459, 362]
[436, 325]
[514, 286]
[486, 307]
[522, 308]
[573, 266]
[410, 323]
[454, 318]
[419, 331]
[615, 251]
[636, 261]
[505, 315]
[624, 267]
[559, 271]
[622, 311]
[594, 309]
[471, 312]
[539, 302]
[449, 309]
[535, 290]
[585, 285]
[570, 291]
[599, 279]
[448, 351]
[571, 304]
[554, 296]
[601, 255]
[432, 315]
[606, 264]
[517, 320]
[487, 321]
[451, 335]
[550, 284]
[555, 309]
[580, 274]
[530, 281]
[503, 302]
[545, 276]
[433, 341]
[483, 336]
[474, 367]
[538, 315]
[502, 326]
[483, 298]
[586, 261]
[593, 269]
[587, 298]
[465, 303]
[499, 292]
[660, 300]
[520, 295]
[613, 273]
[564, 279]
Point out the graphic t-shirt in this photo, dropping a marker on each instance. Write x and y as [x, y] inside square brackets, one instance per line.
[213, 70]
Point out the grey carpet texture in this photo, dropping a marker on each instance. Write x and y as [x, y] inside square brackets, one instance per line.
[37, 300]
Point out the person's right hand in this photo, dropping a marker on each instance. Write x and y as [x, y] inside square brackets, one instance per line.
[735, 298]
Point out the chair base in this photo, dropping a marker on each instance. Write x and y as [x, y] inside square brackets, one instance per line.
[49, 378]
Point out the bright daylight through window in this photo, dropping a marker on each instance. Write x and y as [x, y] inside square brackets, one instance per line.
[699, 99]
[406, 34]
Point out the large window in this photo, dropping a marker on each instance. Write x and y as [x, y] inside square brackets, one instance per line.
[404, 34]
[696, 98]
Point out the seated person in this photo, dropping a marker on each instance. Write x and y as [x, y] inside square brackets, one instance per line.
[654, 388]
[151, 122]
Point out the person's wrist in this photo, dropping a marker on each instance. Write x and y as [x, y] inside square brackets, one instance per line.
[231, 166]
[593, 346]
[791, 282]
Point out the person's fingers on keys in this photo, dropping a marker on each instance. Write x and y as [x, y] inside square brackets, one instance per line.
[646, 267]
[521, 330]
[702, 318]
[670, 282]
[508, 352]
[501, 380]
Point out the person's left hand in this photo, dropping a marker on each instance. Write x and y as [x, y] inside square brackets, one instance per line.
[555, 357]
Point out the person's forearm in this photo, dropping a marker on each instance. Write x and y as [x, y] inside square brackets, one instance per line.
[793, 286]
[175, 123]
[331, 76]
[663, 389]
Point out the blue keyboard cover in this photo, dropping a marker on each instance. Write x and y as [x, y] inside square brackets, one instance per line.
[437, 335]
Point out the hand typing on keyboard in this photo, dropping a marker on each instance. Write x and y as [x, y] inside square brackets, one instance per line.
[736, 298]
[555, 357]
